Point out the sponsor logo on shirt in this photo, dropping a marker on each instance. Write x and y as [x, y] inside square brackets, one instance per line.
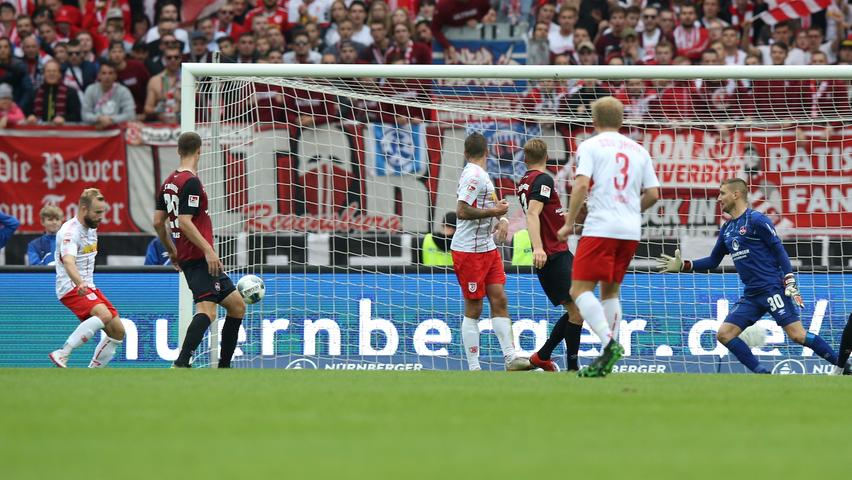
[194, 200]
[92, 248]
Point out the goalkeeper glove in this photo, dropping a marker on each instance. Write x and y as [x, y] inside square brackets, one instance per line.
[791, 289]
[668, 264]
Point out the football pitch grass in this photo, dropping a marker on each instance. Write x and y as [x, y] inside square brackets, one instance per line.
[263, 424]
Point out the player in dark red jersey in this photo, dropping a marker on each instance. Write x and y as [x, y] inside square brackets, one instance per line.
[551, 258]
[183, 202]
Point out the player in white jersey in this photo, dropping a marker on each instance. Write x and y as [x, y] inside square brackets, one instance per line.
[623, 185]
[76, 249]
[476, 260]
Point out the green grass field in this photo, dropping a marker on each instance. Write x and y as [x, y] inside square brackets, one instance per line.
[260, 424]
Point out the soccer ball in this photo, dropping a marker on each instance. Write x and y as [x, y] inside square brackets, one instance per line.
[251, 288]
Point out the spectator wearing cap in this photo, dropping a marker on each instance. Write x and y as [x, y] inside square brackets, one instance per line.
[587, 53]
[436, 246]
[65, 28]
[168, 22]
[198, 51]
[270, 12]
[163, 99]
[456, 13]
[611, 38]
[562, 40]
[690, 37]
[78, 73]
[844, 54]
[55, 103]
[132, 74]
[59, 9]
[99, 12]
[538, 46]
[345, 30]
[107, 102]
[10, 113]
[225, 23]
[301, 52]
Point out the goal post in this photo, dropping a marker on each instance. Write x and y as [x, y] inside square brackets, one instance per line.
[325, 180]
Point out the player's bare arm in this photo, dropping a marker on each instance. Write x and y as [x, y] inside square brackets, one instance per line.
[190, 231]
[649, 197]
[468, 212]
[578, 195]
[534, 208]
[70, 263]
[160, 217]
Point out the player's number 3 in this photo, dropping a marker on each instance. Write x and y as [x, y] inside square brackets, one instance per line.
[623, 159]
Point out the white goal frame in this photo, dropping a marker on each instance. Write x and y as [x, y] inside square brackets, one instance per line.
[190, 72]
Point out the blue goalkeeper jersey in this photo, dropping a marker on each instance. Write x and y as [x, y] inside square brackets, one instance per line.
[757, 252]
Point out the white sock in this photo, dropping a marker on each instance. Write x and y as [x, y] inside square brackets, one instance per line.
[503, 329]
[104, 352]
[593, 314]
[470, 340]
[612, 312]
[82, 334]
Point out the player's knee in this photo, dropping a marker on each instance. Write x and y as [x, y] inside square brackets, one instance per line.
[238, 310]
[797, 336]
[724, 335]
[114, 329]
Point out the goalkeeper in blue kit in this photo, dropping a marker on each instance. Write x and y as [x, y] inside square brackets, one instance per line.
[765, 270]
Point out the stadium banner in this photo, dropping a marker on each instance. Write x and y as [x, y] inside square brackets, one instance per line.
[40, 166]
[365, 321]
[397, 149]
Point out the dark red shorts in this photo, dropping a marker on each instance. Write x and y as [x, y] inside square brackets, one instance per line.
[601, 259]
[82, 305]
[476, 270]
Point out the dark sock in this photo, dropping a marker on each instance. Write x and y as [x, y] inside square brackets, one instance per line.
[845, 344]
[743, 353]
[230, 332]
[572, 345]
[194, 335]
[556, 336]
[818, 345]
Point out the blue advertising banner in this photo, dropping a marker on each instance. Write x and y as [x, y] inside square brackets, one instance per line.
[367, 321]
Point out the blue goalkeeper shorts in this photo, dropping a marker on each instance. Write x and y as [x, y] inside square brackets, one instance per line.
[749, 309]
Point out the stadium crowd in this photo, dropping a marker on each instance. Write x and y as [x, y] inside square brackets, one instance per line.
[106, 62]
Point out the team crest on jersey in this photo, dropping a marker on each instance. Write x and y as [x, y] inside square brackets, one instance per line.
[735, 244]
[194, 200]
[743, 230]
[471, 287]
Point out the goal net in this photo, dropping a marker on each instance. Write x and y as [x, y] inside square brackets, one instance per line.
[332, 183]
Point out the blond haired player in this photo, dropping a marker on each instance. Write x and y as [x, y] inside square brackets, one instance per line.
[476, 260]
[617, 175]
[76, 249]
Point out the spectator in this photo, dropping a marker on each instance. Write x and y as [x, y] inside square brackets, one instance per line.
[163, 99]
[663, 54]
[562, 41]
[258, 26]
[587, 54]
[579, 98]
[168, 21]
[87, 46]
[593, 14]
[546, 97]
[130, 73]
[65, 30]
[241, 9]
[246, 49]
[711, 98]
[666, 22]
[379, 12]
[778, 99]
[24, 28]
[40, 16]
[7, 20]
[710, 10]
[426, 11]
[672, 102]
[227, 49]
[167, 33]
[139, 52]
[40, 250]
[732, 54]
[345, 30]
[338, 12]
[381, 42]
[360, 32]
[631, 16]
[155, 62]
[714, 30]
[275, 38]
[690, 37]
[14, 73]
[198, 52]
[314, 36]
[436, 247]
[207, 29]
[34, 60]
[270, 12]
[261, 46]
[10, 114]
[78, 73]
[800, 53]
[8, 225]
[828, 98]
[781, 33]
[302, 52]
[157, 253]
[651, 33]
[107, 102]
[844, 54]
[407, 51]
[629, 49]
[273, 56]
[423, 32]
[636, 98]
[115, 32]
[611, 37]
[538, 46]
[546, 13]
[100, 12]
[816, 36]
[302, 12]
[139, 28]
[60, 53]
[224, 22]
[456, 13]
[55, 103]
